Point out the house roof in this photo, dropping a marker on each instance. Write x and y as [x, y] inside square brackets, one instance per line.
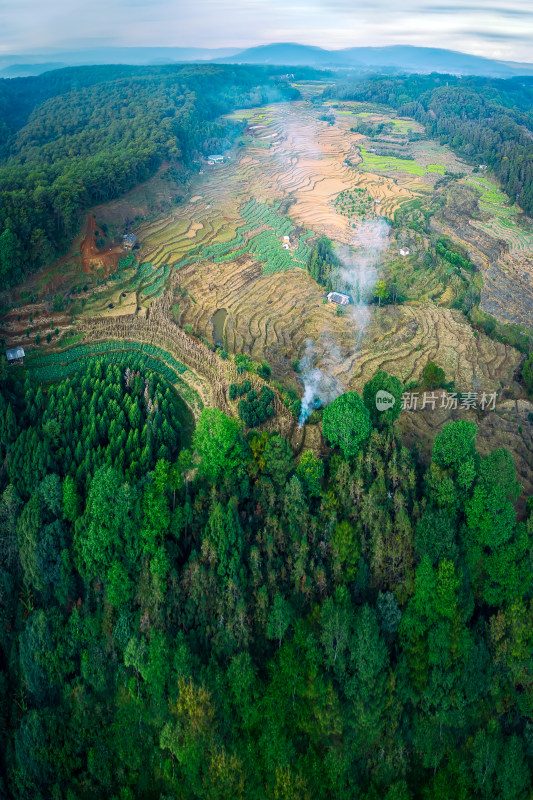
[130, 238]
[15, 353]
[339, 298]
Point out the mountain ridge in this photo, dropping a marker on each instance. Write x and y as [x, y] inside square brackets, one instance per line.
[399, 57]
[408, 58]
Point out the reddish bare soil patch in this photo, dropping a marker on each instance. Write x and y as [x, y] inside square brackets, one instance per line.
[91, 257]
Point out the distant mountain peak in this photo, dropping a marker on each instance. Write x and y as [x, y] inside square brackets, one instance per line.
[404, 57]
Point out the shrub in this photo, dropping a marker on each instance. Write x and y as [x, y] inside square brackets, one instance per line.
[264, 371]
[239, 389]
[59, 303]
[433, 376]
[257, 409]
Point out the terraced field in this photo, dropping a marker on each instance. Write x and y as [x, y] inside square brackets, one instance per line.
[287, 154]
[507, 292]
[264, 235]
[274, 317]
[503, 220]
[360, 109]
[268, 316]
[403, 339]
[406, 125]
[291, 177]
[221, 250]
[501, 246]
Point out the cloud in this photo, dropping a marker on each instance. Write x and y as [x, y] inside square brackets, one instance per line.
[497, 36]
[456, 9]
[486, 29]
[497, 31]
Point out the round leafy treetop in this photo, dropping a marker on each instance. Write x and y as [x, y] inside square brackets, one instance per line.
[391, 387]
[346, 423]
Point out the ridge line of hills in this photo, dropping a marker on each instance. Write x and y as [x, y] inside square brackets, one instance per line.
[395, 58]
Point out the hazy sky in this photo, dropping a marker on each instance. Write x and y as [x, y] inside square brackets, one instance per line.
[484, 27]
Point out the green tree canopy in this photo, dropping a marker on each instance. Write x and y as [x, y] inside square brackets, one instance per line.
[455, 446]
[219, 442]
[383, 382]
[310, 470]
[346, 423]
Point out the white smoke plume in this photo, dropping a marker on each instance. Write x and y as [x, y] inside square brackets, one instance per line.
[320, 386]
[358, 274]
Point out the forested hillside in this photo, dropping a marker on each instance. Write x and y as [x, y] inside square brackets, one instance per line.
[220, 620]
[77, 137]
[484, 119]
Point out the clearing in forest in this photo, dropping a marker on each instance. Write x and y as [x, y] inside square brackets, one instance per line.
[294, 175]
[91, 257]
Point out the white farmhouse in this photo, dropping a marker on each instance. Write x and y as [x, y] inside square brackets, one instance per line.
[339, 299]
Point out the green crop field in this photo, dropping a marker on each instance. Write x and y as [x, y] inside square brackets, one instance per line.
[153, 285]
[490, 193]
[258, 114]
[404, 125]
[373, 161]
[55, 366]
[266, 246]
[255, 141]
[504, 221]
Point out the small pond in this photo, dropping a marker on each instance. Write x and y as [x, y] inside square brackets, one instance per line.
[218, 320]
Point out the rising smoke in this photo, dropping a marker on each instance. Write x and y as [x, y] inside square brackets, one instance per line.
[320, 385]
[357, 276]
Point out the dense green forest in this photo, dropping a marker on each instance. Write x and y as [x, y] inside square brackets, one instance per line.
[484, 119]
[206, 616]
[75, 137]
